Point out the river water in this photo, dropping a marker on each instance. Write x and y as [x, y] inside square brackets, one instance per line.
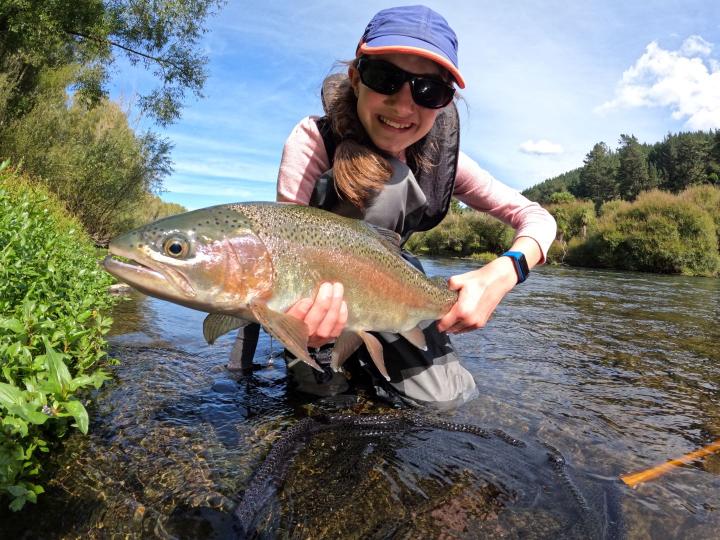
[603, 372]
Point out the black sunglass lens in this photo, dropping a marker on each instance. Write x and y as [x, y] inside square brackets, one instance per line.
[382, 78]
[385, 78]
[430, 93]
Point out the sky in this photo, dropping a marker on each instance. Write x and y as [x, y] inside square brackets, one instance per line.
[545, 81]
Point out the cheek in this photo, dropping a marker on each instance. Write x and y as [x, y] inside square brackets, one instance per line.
[365, 107]
[427, 120]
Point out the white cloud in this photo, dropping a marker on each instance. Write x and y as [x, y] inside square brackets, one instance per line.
[541, 147]
[680, 80]
[696, 45]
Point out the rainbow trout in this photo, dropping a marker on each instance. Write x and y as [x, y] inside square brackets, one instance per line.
[250, 262]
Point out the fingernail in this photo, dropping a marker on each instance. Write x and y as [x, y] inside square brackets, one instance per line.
[337, 290]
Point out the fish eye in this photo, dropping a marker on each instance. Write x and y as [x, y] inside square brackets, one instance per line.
[176, 247]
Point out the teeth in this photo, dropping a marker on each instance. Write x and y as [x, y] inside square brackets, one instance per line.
[394, 124]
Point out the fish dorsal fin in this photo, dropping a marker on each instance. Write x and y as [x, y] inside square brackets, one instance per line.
[291, 332]
[440, 282]
[416, 337]
[392, 239]
[216, 325]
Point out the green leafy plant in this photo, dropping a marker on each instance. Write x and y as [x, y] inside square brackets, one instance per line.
[53, 297]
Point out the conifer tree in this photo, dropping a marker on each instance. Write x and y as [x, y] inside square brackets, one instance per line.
[598, 175]
[633, 175]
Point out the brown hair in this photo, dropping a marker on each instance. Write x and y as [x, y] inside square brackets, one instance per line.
[360, 169]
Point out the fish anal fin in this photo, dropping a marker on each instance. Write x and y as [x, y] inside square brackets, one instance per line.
[216, 325]
[416, 337]
[375, 349]
[291, 332]
[346, 344]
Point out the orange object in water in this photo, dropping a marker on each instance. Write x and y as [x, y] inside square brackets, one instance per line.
[634, 479]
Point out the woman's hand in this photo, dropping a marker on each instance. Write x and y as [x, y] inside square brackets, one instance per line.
[480, 292]
[325, 315]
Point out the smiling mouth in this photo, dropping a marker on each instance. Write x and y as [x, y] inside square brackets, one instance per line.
[393, 124]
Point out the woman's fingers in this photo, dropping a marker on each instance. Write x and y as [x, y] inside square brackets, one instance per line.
[325, 315]
[326, 327]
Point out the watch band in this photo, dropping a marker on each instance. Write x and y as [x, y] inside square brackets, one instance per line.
[521, 265]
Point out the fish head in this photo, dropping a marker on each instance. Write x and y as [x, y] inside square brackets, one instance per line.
[208, 259]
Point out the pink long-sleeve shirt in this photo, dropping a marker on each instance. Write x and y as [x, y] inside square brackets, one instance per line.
[305, 159]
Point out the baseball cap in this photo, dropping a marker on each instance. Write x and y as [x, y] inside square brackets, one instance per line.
[412, 30]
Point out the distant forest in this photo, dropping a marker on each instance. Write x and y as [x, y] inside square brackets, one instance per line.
[641, 207]
[680, 161]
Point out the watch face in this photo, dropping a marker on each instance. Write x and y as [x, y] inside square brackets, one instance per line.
[523, 264]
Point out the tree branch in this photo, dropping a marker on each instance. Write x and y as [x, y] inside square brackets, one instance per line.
[123, 47]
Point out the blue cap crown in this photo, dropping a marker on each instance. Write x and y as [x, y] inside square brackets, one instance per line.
[413, 30]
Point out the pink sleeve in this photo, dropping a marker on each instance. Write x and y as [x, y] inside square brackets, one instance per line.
[478, 189]
[304, 159]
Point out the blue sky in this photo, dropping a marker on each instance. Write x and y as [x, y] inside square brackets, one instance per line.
[545, 81]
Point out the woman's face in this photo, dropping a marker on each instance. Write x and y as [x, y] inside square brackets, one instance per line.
[395, 122]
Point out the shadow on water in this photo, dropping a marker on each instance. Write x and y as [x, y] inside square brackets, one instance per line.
[595, 374]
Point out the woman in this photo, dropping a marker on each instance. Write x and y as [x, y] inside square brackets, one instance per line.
[387, 151]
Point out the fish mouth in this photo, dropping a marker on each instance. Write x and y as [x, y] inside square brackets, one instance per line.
[147, 276]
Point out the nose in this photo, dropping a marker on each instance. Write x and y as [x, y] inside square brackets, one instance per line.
[402, 100]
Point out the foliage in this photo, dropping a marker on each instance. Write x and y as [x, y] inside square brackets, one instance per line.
[161, 35]
[706, 197]
[574, 219]
[52, 298]
[633, 175]
[150, 209]
[89, 157]
[598, 176]
[677, 162]
[659, 232]
[463, 234]
[566, 182]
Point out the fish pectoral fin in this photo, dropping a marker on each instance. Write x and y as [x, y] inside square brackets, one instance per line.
[291, 332]
[216, 325]
[375, 349]
[416, 337]
[346, 344]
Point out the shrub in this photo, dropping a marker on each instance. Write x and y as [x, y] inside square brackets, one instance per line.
[52, 299]
[706, 197]
[659, 232]
[463, 234]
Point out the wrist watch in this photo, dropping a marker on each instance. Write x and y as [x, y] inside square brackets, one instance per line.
[521, 265]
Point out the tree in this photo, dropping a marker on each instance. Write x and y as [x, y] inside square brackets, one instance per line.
[597, 177]
[693, 156]
[162, 35]
[89, 157]
[633, 175]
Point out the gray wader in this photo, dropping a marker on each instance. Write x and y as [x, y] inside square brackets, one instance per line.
[432, 377]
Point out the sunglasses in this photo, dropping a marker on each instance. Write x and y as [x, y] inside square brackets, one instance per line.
[386, 78]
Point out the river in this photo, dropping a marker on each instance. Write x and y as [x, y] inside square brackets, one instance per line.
[596, 373]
